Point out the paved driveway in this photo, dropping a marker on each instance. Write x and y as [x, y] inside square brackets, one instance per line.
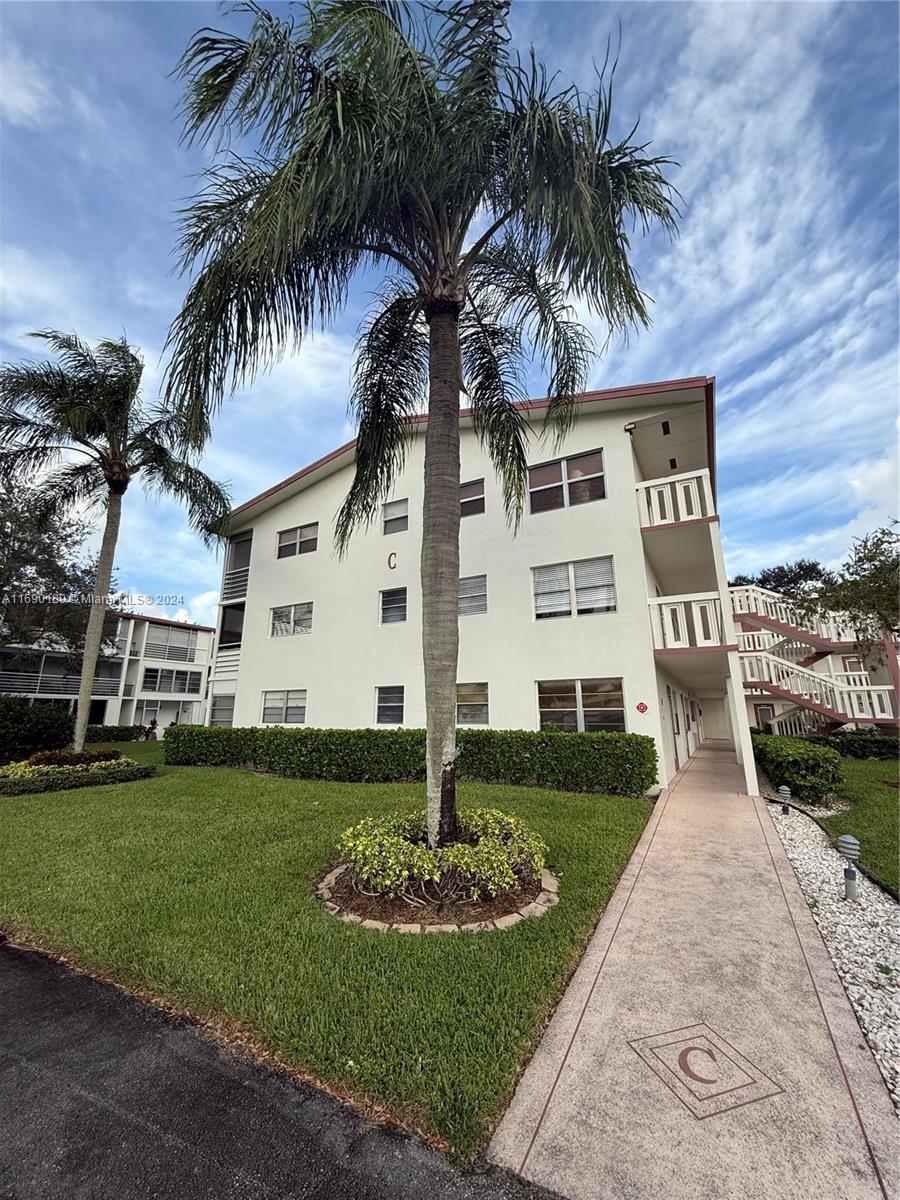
[102, 1098]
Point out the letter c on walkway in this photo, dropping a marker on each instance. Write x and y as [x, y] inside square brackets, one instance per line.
[684, 1065]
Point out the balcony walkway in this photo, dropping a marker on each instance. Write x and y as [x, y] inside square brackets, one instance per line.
[705, 1047]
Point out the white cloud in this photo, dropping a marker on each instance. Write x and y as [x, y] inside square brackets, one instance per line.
[26, 97]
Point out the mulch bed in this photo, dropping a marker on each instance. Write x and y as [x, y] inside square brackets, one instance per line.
[382, 908]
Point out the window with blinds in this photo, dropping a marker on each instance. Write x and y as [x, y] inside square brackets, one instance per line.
[396, 516]
[472, 595]
[393, 606]
[561, 589]
[389, 705]
[289, 619]
[581, 705]
[471, 498]
[472, 704]
[284, 708]
[567, 482]
[158, 680]
[221, 711]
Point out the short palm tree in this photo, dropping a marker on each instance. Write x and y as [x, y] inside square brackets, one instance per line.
[77, 426]
[406, 138]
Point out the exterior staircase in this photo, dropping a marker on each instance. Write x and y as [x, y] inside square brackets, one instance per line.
[779, 646]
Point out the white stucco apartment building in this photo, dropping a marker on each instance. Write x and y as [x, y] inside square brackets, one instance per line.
[609, 609]
[158, 670]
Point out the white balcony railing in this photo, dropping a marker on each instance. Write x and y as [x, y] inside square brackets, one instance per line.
[32, 683]
[680, 622]
[850, 699]
[170, 653]
[234, 584]
[830, 627]
[674, 498]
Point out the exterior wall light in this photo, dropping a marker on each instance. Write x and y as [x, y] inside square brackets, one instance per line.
[848, 847]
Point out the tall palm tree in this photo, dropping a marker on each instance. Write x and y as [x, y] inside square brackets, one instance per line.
[407, 138]
[79, 425]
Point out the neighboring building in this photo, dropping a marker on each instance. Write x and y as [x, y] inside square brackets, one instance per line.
[608, 610]
[159, 670]
[803, 674]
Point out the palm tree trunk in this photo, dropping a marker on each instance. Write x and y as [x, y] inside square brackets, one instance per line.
[97, 615]
[440, 571]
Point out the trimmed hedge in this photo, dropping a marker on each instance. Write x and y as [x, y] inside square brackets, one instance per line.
[26, 727]
[857, 743]
[21, 778]
[71, 758]
[617, 764]
[811, 772]
[114, 733]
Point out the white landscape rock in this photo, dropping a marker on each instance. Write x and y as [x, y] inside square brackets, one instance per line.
[863, 938]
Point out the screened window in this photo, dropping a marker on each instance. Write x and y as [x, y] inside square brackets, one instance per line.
[393, 606]
[472, 595]
[158, 680]
[389, 706]
[302, 539]
[146, 711]
[471, 704]
[289, 619]
[561, 589]
[581, 705]
[569, 481]
[284, 708]
[169, 642]
[396, 516]
[221, 711]
[471, 498]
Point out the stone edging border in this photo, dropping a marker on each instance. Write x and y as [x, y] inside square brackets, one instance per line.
[542, 903]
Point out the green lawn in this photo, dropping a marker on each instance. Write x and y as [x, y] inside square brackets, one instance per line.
[872, 816]
[195, 887]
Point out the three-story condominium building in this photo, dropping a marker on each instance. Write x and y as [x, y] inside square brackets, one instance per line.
[608, 609]
[158, 670]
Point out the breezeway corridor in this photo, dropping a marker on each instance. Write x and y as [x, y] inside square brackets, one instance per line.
[705, 1046]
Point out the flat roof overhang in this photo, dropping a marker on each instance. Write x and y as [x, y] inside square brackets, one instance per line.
[699, 668]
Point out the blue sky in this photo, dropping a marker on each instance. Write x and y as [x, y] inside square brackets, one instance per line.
[783, 282]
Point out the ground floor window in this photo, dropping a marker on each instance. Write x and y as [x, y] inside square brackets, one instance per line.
[389, 705]
[221, 711]
[146, 711]
[284, 708]
[581, 705]
[472, 704]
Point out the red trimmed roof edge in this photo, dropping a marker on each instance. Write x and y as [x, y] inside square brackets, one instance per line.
[707, 382]
[166, 621]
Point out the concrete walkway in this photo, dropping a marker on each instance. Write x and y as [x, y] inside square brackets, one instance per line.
[705, 1047]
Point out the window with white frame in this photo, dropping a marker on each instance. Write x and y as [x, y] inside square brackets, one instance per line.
[471, 498]
[221, 711]
[170, 642]
[581, 705]
[472, 704]
[284, 708]
[396, 516]
[302, 539]
[586, 586]
[389, 705]
[160, 680]
[288, 619]
[393, 606]
[472, 595]
[566, 482]
[146, 711]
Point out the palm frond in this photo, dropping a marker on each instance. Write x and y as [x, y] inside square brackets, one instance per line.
[72, 485]
[389, 387]
[165, 474]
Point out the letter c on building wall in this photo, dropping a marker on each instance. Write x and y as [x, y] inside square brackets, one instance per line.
[392, 561]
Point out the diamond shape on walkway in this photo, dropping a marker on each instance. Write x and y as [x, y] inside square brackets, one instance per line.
[707, 1074]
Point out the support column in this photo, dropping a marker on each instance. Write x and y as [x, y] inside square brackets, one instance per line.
[737, 708]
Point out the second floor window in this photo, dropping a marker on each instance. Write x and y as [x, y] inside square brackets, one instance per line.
[396, 516]
[471, 498]
[587, 586]
[288, 619]
[171, 681]
[472, 595]
[393, 606]
[302, 539]
[389, 706]
[570, 481]
[284, 708]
